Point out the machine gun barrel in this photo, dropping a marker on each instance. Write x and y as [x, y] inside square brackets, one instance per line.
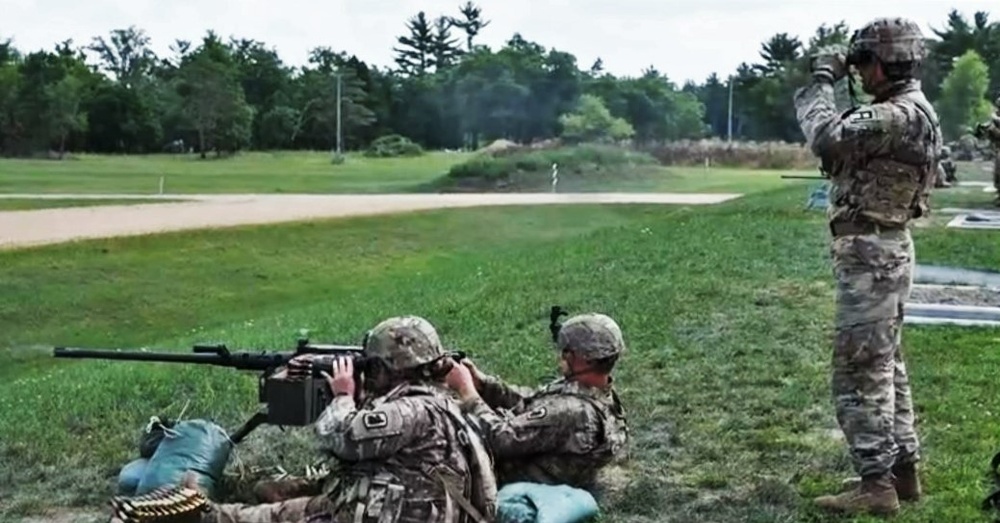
[294, 399]
[802, 177]
[212, 355]
[115, 354]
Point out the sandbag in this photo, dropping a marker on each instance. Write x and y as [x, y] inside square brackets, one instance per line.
[199, 446]
[525, 502]
[130, 476]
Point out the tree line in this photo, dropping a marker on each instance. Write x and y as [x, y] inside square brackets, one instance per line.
[115, 95]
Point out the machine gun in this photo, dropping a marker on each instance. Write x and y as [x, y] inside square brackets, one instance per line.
[290, 399]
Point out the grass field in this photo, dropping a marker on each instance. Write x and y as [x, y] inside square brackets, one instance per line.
[279, 172]
[726, 309]
[970, 197]
[299, 172]
[27, 204]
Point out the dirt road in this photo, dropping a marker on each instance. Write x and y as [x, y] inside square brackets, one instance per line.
[47, 226]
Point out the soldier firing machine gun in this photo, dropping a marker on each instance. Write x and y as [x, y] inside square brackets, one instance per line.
[289, 400]
[296, 402]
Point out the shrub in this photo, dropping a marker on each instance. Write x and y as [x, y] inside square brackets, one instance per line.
[392, 146]
[508, 163]
[758, 155]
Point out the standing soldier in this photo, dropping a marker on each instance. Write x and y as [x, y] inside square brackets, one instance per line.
[990, 131]
[882, 159]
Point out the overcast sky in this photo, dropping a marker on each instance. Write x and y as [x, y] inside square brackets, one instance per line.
[684, 39]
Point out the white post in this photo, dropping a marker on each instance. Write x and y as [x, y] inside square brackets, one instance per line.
[555, 176]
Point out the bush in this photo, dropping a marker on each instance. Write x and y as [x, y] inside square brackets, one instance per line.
[527, 168]
[393, 146]
[758, 155]
[576, 159]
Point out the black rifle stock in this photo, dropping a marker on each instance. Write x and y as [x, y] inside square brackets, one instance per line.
[289, 400]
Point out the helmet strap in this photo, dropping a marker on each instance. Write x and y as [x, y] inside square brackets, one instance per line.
[575, 374]
[851, 90]
[600, 379]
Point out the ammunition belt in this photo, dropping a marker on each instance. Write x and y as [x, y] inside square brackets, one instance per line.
[163, 505]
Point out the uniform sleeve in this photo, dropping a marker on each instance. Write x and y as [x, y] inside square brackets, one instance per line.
[500, 395]
[868, 129]
[560, 424]
[352, 434]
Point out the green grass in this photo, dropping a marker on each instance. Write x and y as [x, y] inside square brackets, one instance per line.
[968, 197]
[27, 204]
[727, 311]
[304, 172]
[279, 172]
[698, 179]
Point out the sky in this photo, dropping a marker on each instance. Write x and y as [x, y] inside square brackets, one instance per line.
[686, 40]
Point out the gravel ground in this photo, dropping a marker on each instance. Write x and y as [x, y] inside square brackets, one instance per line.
[948, 295]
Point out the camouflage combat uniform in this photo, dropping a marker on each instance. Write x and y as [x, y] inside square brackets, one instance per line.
[565, 432]
[990, 131]
[404, 455]
[882, 161]
[946, 169]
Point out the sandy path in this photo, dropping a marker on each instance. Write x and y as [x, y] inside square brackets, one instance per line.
[46, 226]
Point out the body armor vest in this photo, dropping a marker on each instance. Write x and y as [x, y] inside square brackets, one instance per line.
[891, 187]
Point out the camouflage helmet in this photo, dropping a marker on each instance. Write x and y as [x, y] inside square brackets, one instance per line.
[945, 151]
[592, 336]
[403, 342]
[891, 40]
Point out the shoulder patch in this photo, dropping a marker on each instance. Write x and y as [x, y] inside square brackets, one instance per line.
[864, 115]
[867, 121]
[375, 420]
[537, 414]
[381, 423]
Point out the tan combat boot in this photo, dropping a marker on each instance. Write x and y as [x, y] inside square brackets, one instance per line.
[874, 495]
[906, 482]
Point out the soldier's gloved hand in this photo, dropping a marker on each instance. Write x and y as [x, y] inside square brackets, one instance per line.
[829, 63]
[300, 367]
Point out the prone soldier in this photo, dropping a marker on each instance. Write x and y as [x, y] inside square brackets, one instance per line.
[565, 432]
[407, 454]
[946, 169]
